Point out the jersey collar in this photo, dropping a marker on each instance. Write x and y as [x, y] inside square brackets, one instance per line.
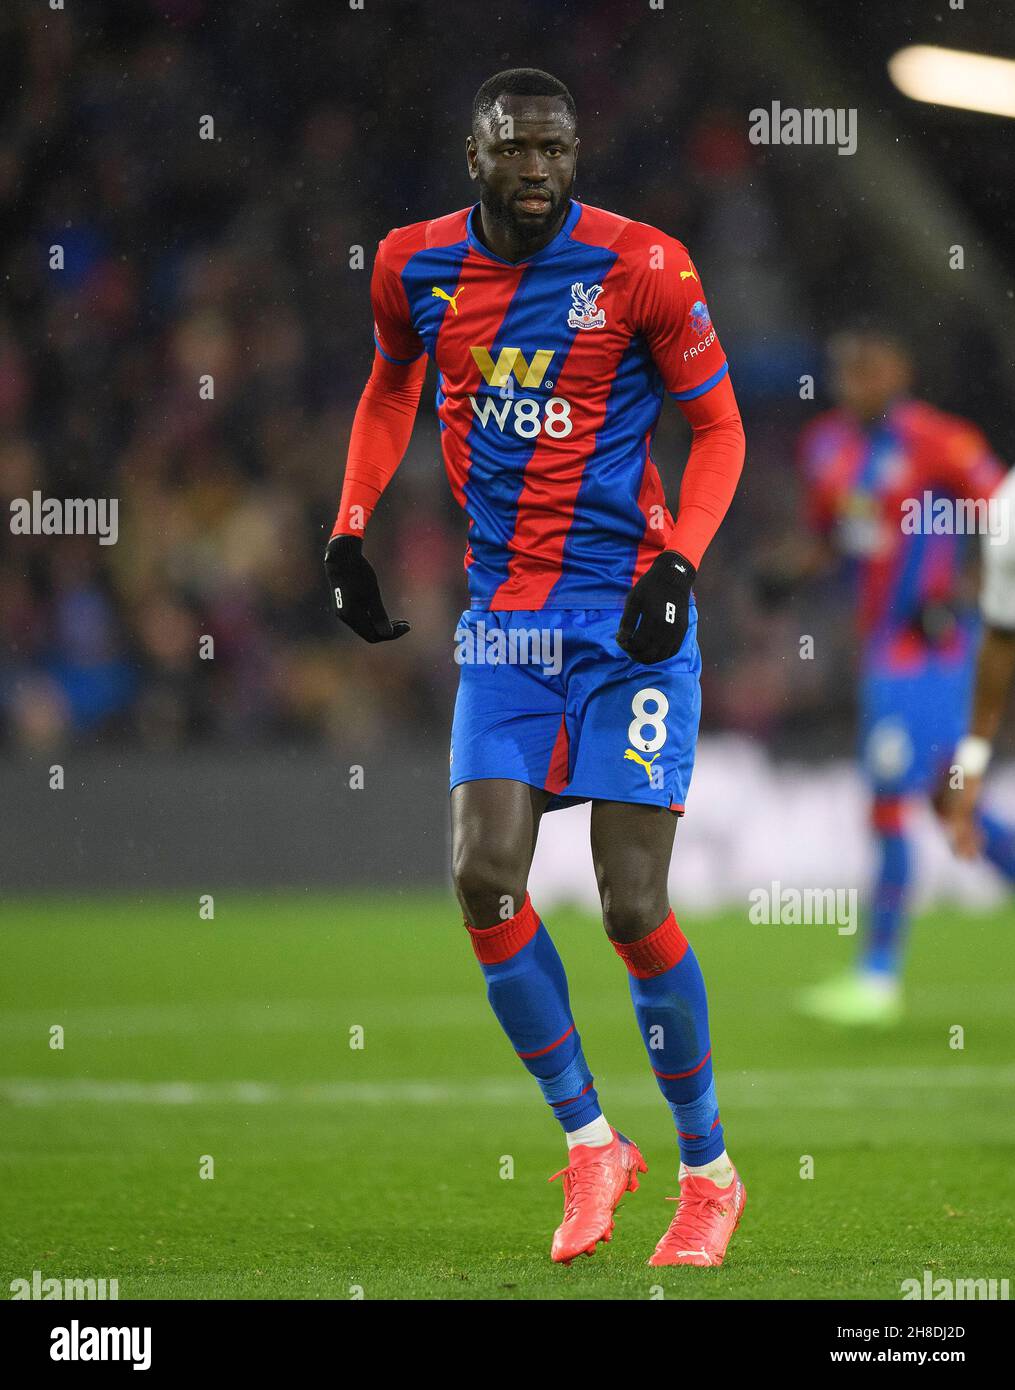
[549, 250]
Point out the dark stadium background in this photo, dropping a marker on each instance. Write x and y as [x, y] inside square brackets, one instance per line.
[185, 256]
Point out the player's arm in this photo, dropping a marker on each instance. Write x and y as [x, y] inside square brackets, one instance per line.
[995, 672]
[963, 464]
[380, 436]
[693, 366]
[995, 675]
[713, 469]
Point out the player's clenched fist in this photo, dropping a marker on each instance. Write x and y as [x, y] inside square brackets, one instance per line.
[355, 592]
[655, 617]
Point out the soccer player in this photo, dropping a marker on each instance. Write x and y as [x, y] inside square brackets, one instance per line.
[557, 329]
[959, 802]
[876, 469]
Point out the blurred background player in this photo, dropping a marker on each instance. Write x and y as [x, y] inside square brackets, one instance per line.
[959, 801]
[873, 468]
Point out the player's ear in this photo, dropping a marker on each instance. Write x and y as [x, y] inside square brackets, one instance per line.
[471, 156]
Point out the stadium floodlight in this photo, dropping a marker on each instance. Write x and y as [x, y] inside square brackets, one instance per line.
[950, 77]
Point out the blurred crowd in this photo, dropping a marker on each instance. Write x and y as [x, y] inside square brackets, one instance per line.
[230, 258]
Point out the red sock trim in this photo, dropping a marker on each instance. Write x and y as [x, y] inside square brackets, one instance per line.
[655, 953]
[495, 944]
[542, 1051]
[888, 815]
[571, 1099]
[680, 1075]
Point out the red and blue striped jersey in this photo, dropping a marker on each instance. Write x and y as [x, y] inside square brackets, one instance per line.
[551, 378]
[872, 492]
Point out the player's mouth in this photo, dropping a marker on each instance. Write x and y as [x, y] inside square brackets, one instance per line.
[533, 202]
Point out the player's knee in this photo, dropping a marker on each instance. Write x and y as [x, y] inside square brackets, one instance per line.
[634, 913]
[491, 886]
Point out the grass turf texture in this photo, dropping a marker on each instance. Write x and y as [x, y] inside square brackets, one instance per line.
[381, 1167]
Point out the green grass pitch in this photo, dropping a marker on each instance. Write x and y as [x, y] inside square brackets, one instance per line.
[379, 1168]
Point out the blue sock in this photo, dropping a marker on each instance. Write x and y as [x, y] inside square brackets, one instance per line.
[672, 1012]
[527, 990]
[998, 843]
[886, 928]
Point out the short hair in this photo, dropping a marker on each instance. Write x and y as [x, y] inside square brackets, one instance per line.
[522, 82]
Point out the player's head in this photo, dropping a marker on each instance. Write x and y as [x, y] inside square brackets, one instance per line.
[871, 367]
[523, 149]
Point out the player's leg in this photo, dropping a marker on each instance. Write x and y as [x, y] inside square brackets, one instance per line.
[898, 736]
[633, 737]
[901, 713]
[631, 848]
[870, 993]
[494, 827]
[913, 719]
[884, 939]
[494, 824]
[997, 836]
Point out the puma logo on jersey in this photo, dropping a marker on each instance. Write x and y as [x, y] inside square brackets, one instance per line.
[637, 758]
[438, 293]
[689, 275]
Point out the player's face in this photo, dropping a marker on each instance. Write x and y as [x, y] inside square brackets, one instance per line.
[867, 375]
[524, 158]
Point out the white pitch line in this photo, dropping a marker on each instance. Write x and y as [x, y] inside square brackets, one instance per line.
[880, 1088]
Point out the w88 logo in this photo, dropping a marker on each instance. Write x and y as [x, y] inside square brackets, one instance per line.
[523, 416]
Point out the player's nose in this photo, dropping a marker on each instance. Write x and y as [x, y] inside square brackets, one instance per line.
[534, 168]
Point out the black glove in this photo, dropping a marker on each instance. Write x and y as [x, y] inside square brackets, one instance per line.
[355, 592]
[661, 599]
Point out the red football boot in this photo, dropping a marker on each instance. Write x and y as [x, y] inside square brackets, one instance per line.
[705, 1219]
[595, 1179]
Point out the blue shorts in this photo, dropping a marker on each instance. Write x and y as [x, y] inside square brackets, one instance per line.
[548, 698]
[912, 717]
